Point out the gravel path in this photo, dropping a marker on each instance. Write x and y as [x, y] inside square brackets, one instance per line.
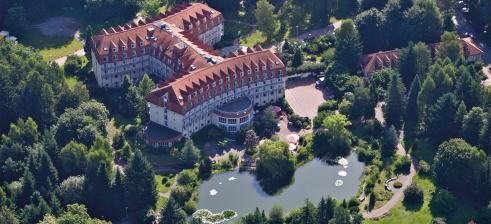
[404, 179]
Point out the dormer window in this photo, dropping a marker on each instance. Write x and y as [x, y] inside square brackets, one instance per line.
[228, 78]
[123, 47]
[235, 76]
[256, 69]
[114, 49]
[132, 45]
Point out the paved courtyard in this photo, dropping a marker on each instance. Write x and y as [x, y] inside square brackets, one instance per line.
[303, 97]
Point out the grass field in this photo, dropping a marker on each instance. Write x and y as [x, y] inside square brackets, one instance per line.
[51, 48]
[161, 187]
[71, 81]
[402, 214]
[253, 39]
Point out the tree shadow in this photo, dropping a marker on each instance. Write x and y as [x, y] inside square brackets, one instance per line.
[412, 206]
[275, 186]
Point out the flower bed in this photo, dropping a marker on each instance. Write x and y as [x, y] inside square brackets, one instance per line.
[207, 216]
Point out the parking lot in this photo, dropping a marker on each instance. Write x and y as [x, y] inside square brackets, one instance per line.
[303, 97]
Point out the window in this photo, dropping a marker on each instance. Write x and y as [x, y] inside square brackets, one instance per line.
[124, 47]
[232, 121]
[249, 72]
[141, 43]
[105, 59]
[271, 66]
[222, 120]
[232, 129]
[243, 119]
[132, 45]
[281, 72]
[114, 49]
[256, 69]
[264, 68]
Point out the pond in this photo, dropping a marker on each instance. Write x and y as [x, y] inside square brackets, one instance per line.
[241, 192]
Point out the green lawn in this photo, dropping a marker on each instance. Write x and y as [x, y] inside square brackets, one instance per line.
[161, 159]
[161, 202]
[402, 214]
[253, 39]
[161, 187]
[51, 48]
[71, 81]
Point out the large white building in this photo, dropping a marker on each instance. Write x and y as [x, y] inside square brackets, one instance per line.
[169, 43]
[199, 87]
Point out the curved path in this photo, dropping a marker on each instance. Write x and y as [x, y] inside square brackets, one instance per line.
[404, 179]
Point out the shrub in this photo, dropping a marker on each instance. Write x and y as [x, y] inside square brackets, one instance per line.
[424, 167]
[189, 207]
[181, 194]
[402, 164]
[234, 159]
[307, 67]
[397, 184]
[187, 177]
[413, 194]
[439, 220]
[329, 105]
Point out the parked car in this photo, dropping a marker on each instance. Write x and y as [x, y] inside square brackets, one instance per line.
[321, 82]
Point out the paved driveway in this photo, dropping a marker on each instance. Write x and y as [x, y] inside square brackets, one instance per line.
[303, 97]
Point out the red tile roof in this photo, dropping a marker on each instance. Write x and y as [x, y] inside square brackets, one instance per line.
[372, 62]
[144, 33]
[191, 84]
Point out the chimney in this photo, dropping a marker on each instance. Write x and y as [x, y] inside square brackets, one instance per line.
[150, 32]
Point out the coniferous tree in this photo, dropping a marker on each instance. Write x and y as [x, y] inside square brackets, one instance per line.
[441, 119]
[348, 47]
[276, 215]
[297, 59]
[28, 188]
[467, 88]
[172, 214]
[396, 102]
[309, 212]
[205, 168]
[325, 210]
[426, 97]
[390, 142]
[341, 216]
[472, 125]
[485, 135]
[189, 153]
[140, 186]
[412, 100]
[460, 114]
[145, 86]
[265, 17]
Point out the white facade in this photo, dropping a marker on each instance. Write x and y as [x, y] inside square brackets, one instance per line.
[261, 93]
